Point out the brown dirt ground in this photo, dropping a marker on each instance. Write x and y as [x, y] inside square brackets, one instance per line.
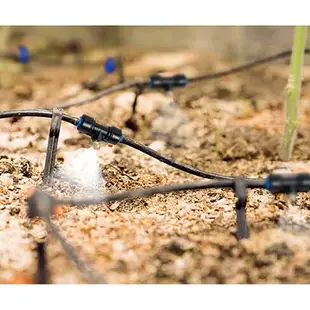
[230, 126]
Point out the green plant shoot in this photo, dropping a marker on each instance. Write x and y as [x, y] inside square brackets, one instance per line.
[293, 92]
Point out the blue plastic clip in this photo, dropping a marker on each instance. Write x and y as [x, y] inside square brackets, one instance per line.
[110, 65]
[23, 54]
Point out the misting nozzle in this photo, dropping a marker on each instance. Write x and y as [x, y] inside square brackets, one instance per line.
[110, 65]
[97, 132]
[23, 54]
[288, 183]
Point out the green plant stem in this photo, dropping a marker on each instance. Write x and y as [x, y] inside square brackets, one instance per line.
[293, 92]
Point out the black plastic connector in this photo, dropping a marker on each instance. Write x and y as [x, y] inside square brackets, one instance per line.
[168, 82]
[288, 183]
[40, 204]
[97, 132]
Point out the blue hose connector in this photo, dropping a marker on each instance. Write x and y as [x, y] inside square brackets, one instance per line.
[110, 65]
[110, 134]
[268, 184]
[23, 54]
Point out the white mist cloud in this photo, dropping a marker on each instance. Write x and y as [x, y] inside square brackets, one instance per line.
[82, 168]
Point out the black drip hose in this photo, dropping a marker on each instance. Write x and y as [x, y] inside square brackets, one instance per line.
[104, 92]
[209, 76]
[37, 113]
[252, 182]
[124, 140]
[145, 192]
[171, 162]
[92, 277]
[243, 67]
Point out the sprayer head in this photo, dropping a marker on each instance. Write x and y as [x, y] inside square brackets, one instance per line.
[23, 54]
[110, 65]
[97, 132]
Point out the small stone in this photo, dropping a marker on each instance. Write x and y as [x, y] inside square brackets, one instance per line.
[14, 211]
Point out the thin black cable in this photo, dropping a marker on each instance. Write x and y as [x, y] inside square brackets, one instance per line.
[146, 150]
[243, 67]
[107, 91]
[125, 140]
[209, 76]
[91, 276]
[145, 192]
[37, 113]
[171, 162]
[113, 135]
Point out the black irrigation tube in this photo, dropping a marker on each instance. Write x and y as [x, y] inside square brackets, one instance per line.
[102, 93]
[42, 205]
[145, 192]
[156, 81]
[168, 83]
[164, 159]
[112, 135]
[244, 67]
[46, 113]
[83, 267]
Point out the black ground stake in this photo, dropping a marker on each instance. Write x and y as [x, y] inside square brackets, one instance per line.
[130, 123]
[52, 146]
[240, 187]
[42, 274]
[42, 205]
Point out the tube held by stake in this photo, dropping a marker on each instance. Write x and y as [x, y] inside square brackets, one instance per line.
[52, 145]
[130, 123]
[241, 193]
